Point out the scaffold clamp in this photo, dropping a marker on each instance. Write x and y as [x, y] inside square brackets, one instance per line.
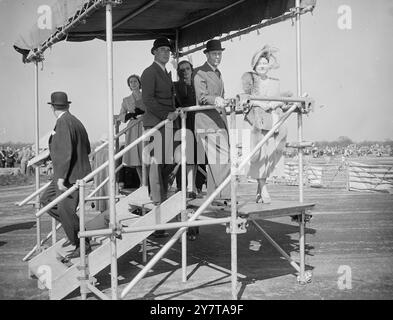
[239, 227]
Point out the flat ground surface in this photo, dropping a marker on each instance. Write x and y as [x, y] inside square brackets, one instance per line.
[350, 232]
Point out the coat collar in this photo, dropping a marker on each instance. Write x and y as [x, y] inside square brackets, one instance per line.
[210, 72]
[165, 75]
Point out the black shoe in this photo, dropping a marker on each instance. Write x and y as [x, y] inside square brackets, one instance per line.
[77, 253]
[160, 234]
[66, 244]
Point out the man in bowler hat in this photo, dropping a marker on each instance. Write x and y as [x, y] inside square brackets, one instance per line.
[158, 98]
[211, 126]
[69, 149]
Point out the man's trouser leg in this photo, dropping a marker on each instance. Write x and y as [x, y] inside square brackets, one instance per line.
[212, 133]
[48, 196]
[69, 218]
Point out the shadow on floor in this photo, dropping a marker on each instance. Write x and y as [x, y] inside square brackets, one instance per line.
[18, 226]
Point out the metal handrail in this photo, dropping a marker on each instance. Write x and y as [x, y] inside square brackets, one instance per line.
[118, 135]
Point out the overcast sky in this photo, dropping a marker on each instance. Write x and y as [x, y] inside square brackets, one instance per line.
[349, 72]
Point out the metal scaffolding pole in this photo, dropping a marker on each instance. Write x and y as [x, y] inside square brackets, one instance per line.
[111, 154]
[184, 195]
[37, 150]
[300, 140]
[234, 228]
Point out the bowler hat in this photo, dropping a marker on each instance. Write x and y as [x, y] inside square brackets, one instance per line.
[213, 45]
[161, 42]
[59, 100]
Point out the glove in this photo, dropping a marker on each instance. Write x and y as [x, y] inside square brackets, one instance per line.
[130, 115]
[219, 102]
[139, 111]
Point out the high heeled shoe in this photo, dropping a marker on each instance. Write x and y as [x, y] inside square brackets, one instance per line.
[265, 196]
[266, 199]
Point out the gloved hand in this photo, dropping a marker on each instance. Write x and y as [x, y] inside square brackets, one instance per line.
[172, 116]
[130, 115]
[139, 111]
[219, 102]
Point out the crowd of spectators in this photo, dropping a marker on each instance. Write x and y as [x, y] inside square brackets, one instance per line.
[13, 157]
[352, 150]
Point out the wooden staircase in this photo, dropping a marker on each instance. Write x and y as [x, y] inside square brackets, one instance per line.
[61, 279]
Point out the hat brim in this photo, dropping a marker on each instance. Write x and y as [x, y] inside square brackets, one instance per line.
[155, 48]
[207, 50]
[58, 104]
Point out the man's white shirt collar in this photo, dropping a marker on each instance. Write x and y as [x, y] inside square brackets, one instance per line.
[61, 114]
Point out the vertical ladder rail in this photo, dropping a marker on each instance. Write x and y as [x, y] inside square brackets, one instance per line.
[111, 155]
[37, 150]
[184, 194]
[82, 240]
[300, 140]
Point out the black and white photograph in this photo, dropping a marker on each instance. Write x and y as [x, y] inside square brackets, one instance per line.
[203, 151]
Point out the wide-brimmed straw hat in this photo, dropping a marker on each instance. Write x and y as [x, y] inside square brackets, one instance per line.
[267, 52]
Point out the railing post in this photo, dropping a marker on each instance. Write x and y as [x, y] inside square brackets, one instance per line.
[37, 151]
[234, 175]
[144, 184]
[302, 237]
[117, 146]
[83, 267]
[54, 232]
[183, 116]
[111, 157]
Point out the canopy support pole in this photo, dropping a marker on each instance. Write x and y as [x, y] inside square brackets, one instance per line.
[300, 140]
[183, 160]
[37, 150]
[111, 155]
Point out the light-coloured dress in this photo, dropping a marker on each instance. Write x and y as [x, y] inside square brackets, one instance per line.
[270, 160]
[133, 158]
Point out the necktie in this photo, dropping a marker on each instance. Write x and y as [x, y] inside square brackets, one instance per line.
[218, 73]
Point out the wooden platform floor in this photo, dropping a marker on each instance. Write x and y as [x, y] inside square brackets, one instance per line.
[348, 231]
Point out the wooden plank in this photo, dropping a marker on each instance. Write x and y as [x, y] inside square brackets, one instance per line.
[100, 257]
[275, 209]
[251, 210]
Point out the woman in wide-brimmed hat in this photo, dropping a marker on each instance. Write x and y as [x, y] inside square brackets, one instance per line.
[262, 116]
